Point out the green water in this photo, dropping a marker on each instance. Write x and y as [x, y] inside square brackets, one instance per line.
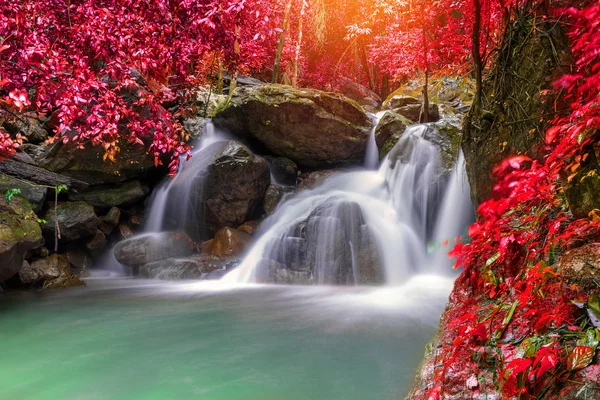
[131, 339]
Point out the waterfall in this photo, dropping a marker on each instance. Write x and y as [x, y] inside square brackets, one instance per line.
[163, 214]
[365, 226]
[372, 155]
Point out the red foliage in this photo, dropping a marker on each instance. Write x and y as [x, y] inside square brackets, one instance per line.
[518, 234]
[106, 69]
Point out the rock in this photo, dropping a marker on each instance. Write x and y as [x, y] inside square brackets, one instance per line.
[76, 220]
[132, 162]
[389, 130]
[52, 272]
[125, 231]
[400, 100]
[333, 245]
[152, 247]
[283, 169]
[222, 186]
[19, 234]
[513, 120]
[78, 258]
[227, 242]
[109, 222]
[582, 266]
[364, 96]
[269, 271]
[273, 197]
[96, 243]
[249, 227]
[413, 112]
[310, 180]
[195, 127]
[119, 195]
[31, 128]
[175, 269]
[36, 195]
[310, 127]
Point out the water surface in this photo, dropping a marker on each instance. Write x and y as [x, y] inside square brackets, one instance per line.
[136, 339]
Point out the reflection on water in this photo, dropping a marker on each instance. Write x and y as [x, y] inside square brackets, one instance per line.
[135, 339]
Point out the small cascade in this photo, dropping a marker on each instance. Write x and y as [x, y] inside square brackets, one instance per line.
[364, 227]
[372, 155]
[453, 219]
[172, 190]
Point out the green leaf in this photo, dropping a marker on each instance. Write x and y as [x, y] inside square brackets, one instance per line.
[492, 259]
[593, 309]
[580, 357]
[591, 339]
[510, 314]
[61, 188]
[10, 193]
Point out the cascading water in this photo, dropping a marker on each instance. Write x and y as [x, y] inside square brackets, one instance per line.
[162, 209]
[365, 226]
[372, 155]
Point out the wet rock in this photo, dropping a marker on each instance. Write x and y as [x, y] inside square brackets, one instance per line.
[110, 221]
[368, 261]
[153, 247]
[53, 272]
[249, 227]
[270, 271]
[119, 195]
[96, 243]
[36, 195]
[19, 234]
[389, 130]
[227, 242]
[76, 220]
[175, 269]
[283, 169]
[273, 197]
[222, 186]
[125, 231]
[311, 180]
[310, 127]
[78, 258]
[582, 266]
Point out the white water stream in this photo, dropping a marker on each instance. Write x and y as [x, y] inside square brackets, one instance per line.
[394, 212]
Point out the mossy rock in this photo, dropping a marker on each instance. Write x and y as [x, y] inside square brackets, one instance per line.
[19, 233]
[310, 127]
[389, 130]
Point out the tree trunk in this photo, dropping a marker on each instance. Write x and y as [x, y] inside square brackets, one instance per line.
[426, 98]
[476, 52]
[286, 25]
[425, 114]
[298, 44]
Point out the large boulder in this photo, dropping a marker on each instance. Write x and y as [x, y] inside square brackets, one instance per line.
[333, 245]
[310, 127]
[76, 220]
[119, 195]
[53, 272]
[19, 234]
[389, 129]
[222, 186]
[310, 180]
[145, 249]
[88, 164]
[35, 194]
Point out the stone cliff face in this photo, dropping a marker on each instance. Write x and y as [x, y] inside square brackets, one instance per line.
[514, 114]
